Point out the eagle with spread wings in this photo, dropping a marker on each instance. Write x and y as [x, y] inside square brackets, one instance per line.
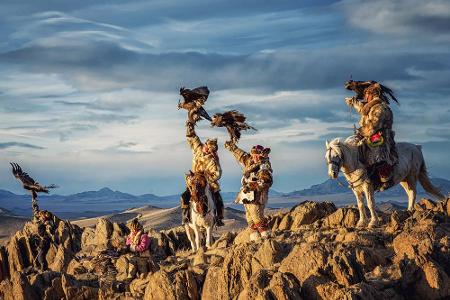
[193, 101]
[29, 183]
[360, 87]
[233, 121]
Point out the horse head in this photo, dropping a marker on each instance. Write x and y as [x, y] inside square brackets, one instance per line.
[197, 183]
[334, 157]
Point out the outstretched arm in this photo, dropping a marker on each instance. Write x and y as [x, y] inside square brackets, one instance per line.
[192, 138]
[240, 155]
[355, 103]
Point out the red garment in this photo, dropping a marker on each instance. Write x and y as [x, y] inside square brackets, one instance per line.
[375, 137]
[143, 243]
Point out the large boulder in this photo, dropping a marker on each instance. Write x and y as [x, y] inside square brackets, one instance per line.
[172, 286]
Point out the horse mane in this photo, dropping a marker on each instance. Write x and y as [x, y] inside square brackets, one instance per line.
[348, 145]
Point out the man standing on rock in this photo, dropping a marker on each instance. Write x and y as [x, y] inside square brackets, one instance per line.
[206, 161]
[379, 149]
[256, 181]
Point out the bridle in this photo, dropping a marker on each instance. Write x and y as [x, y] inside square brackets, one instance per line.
[338, 163]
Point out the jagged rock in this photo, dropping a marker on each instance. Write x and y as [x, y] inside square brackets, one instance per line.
[243, 237]
[342, 217]
[229, 280]
[396, 220]
[118, 236]
[269, 253]
[225, 240]
[138, 286]
[17, 288]
[308, 212]
[424, 281]
[269, 285]
[88, 240]
[425, 204]
[345, 268]
[4, 266]
[285, 223]
[172, 286]
[103, 232]
[175, 239]
[76, 290]
[314, 253]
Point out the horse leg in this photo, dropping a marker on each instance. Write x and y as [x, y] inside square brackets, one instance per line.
[361, 208]
[190, 237]
[410, 188]
[368, 191]
[197, 236]
[208, 237]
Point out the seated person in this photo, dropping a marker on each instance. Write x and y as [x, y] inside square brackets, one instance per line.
[138, 243]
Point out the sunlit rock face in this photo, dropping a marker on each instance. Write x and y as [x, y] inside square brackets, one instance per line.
[314, 252]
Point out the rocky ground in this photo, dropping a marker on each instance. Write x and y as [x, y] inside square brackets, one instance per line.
[315, 253]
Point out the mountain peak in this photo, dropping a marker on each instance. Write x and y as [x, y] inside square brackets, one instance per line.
[106, 190]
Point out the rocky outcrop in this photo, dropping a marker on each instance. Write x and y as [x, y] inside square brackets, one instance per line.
[315, 252]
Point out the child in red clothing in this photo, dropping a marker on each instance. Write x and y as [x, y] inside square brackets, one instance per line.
[137, 240]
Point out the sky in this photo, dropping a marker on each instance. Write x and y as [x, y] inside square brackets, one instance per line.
[89, 89]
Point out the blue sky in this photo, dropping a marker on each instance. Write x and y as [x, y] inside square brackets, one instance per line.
[88, 89]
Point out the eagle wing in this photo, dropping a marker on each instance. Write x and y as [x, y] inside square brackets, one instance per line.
[23, 177]
[200, 93]
[233, 121]
[28, 182]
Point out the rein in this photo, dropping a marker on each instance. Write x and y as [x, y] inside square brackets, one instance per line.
[351, 184]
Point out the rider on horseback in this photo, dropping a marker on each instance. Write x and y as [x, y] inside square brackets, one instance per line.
[256, 181]
[206, 161]
[375, 132]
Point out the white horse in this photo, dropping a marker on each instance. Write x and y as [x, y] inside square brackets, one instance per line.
[201, 209]
[410, 169]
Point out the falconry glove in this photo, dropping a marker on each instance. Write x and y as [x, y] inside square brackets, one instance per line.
[229, 145]
[190, 129]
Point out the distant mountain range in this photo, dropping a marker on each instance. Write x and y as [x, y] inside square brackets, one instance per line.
[105, 200]
[330, 187]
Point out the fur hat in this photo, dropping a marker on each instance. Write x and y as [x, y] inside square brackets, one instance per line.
[135, 225]
[257, 149]
[212, 144]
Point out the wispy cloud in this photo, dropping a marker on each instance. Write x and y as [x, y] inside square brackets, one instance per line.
[98, 91]
[20, 145]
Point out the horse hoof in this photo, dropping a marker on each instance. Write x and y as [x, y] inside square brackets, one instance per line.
[373, 224]
[360, 224]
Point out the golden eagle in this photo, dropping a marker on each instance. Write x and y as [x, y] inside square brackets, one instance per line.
[29, 183]
[233, 121]
[193, 101]
[360, 87]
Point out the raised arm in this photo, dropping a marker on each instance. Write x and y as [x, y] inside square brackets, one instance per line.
[355, 103]
[240, 155]
[192, 138]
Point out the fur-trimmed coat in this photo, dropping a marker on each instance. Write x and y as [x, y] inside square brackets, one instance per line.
[376, 116]
[261, 171]
[207, 163]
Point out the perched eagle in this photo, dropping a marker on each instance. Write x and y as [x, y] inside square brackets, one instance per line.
[28, 182]
[360, 87]
[193, 102]
[234, 121]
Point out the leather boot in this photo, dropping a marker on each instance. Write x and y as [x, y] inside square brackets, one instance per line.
[185, 210]
[218, 202]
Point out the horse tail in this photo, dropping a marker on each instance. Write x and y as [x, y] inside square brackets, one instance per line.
[425, 181]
